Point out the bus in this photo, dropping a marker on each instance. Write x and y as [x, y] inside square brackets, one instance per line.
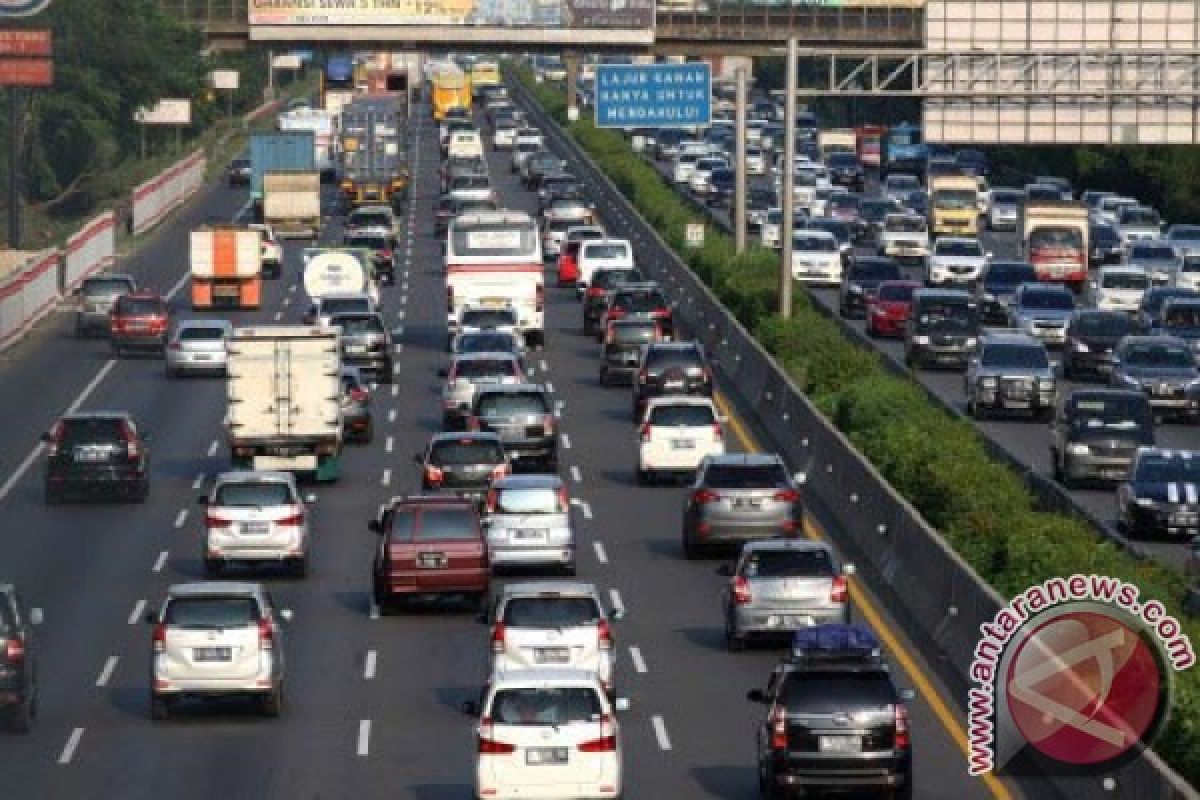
[337, 83]
[451, 89]
[494, 260]
[484, 73]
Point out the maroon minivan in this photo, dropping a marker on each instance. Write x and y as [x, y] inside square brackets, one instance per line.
[430, 546]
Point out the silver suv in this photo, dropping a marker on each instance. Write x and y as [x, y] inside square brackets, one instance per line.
[96, 297]
[1010, 372]
[738, 497]
[217, 639]
[255, 518]
[780, 585]
[467, 373]
[527, 520]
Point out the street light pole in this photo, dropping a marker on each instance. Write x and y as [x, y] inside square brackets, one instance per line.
[789, 181]
[739, 167]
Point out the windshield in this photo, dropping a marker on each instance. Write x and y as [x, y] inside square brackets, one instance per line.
[682, 416]
[139, 306]
[267, 493]
[336, 305]
[1125, 280]
[369, 220]
[545, 706]
[197, 333]
[1109, 412]
[512, 403]
[947, 247]
[874, 270]
[902, 183]
[814, 244]
[465, 452]
[104, 287]
[1139, 216]
[1015, 355]
[1005, 197]
[745, 476]
[1113, 324]
[606, 250]
[369, 242]
[1185, 232]
[947, 317]
[1009, 274]
[530, 501]
[485, 343]
[955, 199]
[844, 202]
[896, 224]
[634, 333]
[639, 300]
[1152, 252]
[1164, 469]
[469, 182]
[1168, 356]
[211, 613]
[485, 368]
[896, 294]
[489, 318]
[1057, 238]
[351, 325]
[608, 278]
[495, 239]
[550, 612]
[787, 564]
[1055, 300]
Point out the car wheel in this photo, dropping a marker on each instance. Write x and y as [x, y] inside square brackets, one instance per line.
[551, 464]
[905, 792]
[871, 331]
[569, 569]
[160, 708]
[272, 702]
[20, 719]
[604, 377]
[388, 373]
[52, 497]
[299, 568]
[141, 492]
[643, 477]
[172, 373]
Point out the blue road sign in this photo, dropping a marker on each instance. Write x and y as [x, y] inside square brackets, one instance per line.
[653, 95]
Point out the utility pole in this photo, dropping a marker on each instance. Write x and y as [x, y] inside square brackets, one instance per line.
[14, 168]
[571, 62]
[789, 182]
[739, 171]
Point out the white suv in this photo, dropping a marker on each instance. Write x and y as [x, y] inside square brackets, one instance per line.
[816, 257]
[255, 517]
[676, 434]
[547, 733]
[217, 639]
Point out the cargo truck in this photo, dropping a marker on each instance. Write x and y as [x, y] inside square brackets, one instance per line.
[292, 203]
[226, 267]
[284, 393]
[321, 124]
[954, 205]
[278, 152]
[837, 140]
[1055, 240]
[374, 166]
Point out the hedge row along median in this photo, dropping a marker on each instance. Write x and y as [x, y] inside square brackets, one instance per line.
[937, 461]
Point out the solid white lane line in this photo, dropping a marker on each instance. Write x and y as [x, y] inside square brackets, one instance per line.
[292, 288]
[386, 478]
[392, 415]
[576, 475]
[364, 737]
[181, 518]
[389, 444]
[660, 732]
[369, 666]
[566, 442]
[614, 599]
[68, 751]
[106, 672]
[639, 663]
[196, 484]
[586, 507]
[161, 561]
[139, 611]
[601, 554]
[212, 448]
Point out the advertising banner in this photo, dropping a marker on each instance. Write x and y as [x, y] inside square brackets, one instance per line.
[224, 78]
[166, 112]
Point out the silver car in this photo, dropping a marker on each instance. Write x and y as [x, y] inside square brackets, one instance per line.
[467, 373]
[1043, 311]
[738, 497]
[253, 517]
[1005, 211]
[1010, 372]
[96, 297]
[527, 520]
[780, 585]
[217, 639]
[198, 345]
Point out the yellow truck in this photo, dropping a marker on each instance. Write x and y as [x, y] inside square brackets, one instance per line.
[954, 205]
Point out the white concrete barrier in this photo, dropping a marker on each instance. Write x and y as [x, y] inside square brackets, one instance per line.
[28, 291]
[165, 192]
[89, 250]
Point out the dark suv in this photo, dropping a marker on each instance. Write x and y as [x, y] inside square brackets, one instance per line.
[522, 415]
[18, 666]
[669, 368]
[366, 343]
[1096, 433]
[834, 718]
[595, 299]
[96, 452]
[861, 282]
[462, 463]
[638, 301]
[139, 321]
[622, 349]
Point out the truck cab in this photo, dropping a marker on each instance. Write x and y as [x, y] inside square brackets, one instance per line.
[954, 205]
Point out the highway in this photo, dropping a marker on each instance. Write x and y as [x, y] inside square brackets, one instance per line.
[372, 704]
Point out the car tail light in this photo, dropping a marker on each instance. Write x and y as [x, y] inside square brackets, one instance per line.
[174, 346]
[55, 438]
[703, 496]
[292, 521]
[643, 375]
[717, 432]
[266, 634]
[159, 639]
[213, 521]
[488, 745]
[499, 471]
[645, 431]
[564, 501]
[489, 504]
[741, 591]
[131, 443]
[607, 742]
[902, 732]
[840, 590]
[540, 298]
[434, 475]
[660, 312]
[14, 650]
[595, 291]
[786, 496]
[779, 738]
[604, 632]
[548, 423]
[610, 335]
[385, 254]
[358, 394]
[498, 638]
[707, 373]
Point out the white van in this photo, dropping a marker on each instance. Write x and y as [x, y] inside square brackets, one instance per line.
[602, 253]
[466, 144]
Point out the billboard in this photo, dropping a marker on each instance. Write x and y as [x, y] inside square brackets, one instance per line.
[223, 78]
[166, 112]
[482, 21]
[653, 95]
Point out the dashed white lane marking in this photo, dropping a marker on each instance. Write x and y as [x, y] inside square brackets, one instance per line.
[139, 610]
[369, 666]
[389, 444]
[278, 316]
[181, 518]
[196, 484]
[403, 299]
[106, 672]
[601, 553]
[586, 507]
[549, 387]
[400, 314]
[404, 286]
[614, 598]
[212, 448]
[660, 732]
[364, 737]
[68, 751]
[542, 364]
[395, 390]
[386, 478]
[161, 561]
[374, 612]
[392, 415]
[639, 663]
[287, 301]
[576, 475]
[566, 442]
[292, 288]
[179, 284]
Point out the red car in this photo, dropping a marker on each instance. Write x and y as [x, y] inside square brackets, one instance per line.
[139, 321]
[429, 546]
[888, 310]
[568, 263]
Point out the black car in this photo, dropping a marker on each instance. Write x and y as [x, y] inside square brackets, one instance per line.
[539, 166]
[873, 213]
[639, 301]
[1105, 243]
[462, 463]
[1164, 369]
[1161, 496]
[93, 453]
[759, 201]
[357, 423]
[621, 351]
[722, 183]
[1096, 433]
[835, 719]
[595, 299]
[1181, 319]
[671, 368]
[973, 161]
[522, 415]
[1092, 338]
[18, 660]
[861, 281]
[845, 170]
[366, 343]
[240, 172]
[918, 203]
[942, 329]
[1154, 299]
[558, 185]
[1000, 282]
[383, 253]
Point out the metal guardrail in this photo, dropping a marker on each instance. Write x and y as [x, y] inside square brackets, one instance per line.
[934, 595]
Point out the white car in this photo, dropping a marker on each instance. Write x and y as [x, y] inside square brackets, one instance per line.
[217, 638]
[272, 250]
[685, 163]
[756, 161]
[1138, 223]
[675, 435]
[595, 254]
[698, 182]
[504, 135]
[326, 306]
[256, 518]
[816, 257]
[956, 260]
[559, 624]
[1188, 276]
[548, 733]
[1118, 288]
[527, 521]
[905, 237]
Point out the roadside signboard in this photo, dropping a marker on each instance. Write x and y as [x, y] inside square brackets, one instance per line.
[32, 72]
[224, 78]
[694, 234]
[653, 95]
[168, 111]
[26, 42]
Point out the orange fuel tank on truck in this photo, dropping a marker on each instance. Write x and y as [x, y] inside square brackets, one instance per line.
[226, 267]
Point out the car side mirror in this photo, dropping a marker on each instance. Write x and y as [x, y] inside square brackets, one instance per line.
[621, 704]
[800, 478]
[757, 696]
[374, 527]
[443, 372]
[470, 708]
[36, 617]
[286, 614]
[725, 571]
[849, 569]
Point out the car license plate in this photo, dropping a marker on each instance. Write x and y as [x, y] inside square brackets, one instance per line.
[746, 502]
[673, 385]
[356, 349]
[255, 528]
[1163, 391]
[683, 444]
[541, 756]
[530, 533]
[1114, 474]
[798, 620]
[1184, 519]
[212, 654]
[90, 455]
[551, 655]
[201, 357]
[431, 560]
[840, 744]
[493, 302]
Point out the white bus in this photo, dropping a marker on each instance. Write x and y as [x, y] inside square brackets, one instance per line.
[494, 260]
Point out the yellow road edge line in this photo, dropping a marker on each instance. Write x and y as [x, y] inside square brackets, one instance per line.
[813, 530]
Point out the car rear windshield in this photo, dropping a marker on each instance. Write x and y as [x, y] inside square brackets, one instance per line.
[369, 242]
[1051, 300]
[336, 305]
[471, 182]
[485, 368]
[510, 403]
[361, 220]
[456, 524]
[88, 431]
[813, 244]
[139, 305]
[211, 613]
[788, 564]
[967, 249]
[1139, 216]
[1153, 252]
[896, 294]
[638, 300]
[465, 452]
[629, 334]
[662, 358]
[904, 225]
[196, 333]
[1167, 469]
[529, 501]
[486, 343]
[1110, 412]
[947, 316]
[679, 416]
[550, 612]
[106, 288]
[1125, 280]
[1114, 324]
[745, 476]
[1158, 355]
[609, 278]
[606, 251]
[830, 693]
[1001, 273]
[267, 493]
[1015, 355]
[545, 706]
[489, 318]
[1068, 238]
[875, 270]
[353, 325]
[1182, 316]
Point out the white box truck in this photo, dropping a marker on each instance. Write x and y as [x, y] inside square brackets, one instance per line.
[284, 394]
[292, 203]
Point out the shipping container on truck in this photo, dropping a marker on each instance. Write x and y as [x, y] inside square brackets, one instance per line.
[278, 152]
[337, 83]
[1055, 240]
[373, 161]
[292, 203]
[321, 124]
[284, 396]
[226, 267]
[836, 140]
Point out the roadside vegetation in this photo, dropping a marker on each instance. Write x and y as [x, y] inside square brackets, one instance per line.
[937, 461]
